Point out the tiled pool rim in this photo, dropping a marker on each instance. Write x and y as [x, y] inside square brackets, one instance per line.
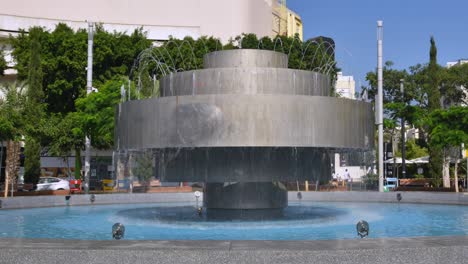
[125, 198]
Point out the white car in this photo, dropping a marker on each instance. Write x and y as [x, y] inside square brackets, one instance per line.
[52, 184]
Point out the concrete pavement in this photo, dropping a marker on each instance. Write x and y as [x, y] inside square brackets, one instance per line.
[390, 250]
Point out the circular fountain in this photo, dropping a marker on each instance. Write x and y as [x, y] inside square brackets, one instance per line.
[243, 125]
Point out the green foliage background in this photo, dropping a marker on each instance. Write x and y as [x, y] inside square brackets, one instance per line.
[3, 63]
[187, 54]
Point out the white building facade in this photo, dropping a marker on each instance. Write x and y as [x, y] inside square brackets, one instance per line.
[161, 19]
[345, 86]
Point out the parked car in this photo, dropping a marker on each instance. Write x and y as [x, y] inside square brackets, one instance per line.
[390, 184]
[52, 184]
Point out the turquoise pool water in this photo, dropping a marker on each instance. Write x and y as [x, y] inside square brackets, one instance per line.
[300, 221]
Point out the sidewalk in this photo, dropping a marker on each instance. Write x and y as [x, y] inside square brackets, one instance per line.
[424, 250]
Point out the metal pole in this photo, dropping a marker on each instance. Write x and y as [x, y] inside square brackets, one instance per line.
[465, 154]
[1, 157]
[15, 155]
[89, 88]
[385, 158]
[380, 101]
[129, 85]
[154, 84]
[403, 147]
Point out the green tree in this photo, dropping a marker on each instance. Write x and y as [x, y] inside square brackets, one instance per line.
[32, 160]
[96, 113]
[434, 78]
[143, 169]
[33, 111]
[94, 117]
[3, 63]
[12, 128]
[247, 41]
[11, 108]
[63, 61]
[63, 54]
[187, 54]
[397, 105]
[449, 129]
[435, 150]
[413, 150]
[66, 133]
[454, 83]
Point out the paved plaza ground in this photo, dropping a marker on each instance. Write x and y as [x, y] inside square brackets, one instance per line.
[422, 250]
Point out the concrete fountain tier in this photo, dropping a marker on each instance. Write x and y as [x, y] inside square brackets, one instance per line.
[243, 125]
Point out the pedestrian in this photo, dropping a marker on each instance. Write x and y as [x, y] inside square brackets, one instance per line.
[334, 181]
[347, 176]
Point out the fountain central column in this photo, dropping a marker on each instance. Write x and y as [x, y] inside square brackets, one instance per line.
[245, 195]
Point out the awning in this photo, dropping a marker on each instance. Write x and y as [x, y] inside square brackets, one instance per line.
[421, 160]
[425, 159]
[398, 161]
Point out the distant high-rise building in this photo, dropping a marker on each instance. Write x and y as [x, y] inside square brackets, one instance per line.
[455, 63]
[294, 25]
[345, 86]
[285, 22]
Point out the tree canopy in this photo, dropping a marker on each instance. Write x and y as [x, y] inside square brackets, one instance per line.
[11, 110]
[3, 63]
[429, 89]
[63, 60]
[97, 112]
[187, 54]
[449, 127]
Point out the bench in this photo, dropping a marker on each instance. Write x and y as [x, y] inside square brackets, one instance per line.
[415, 182]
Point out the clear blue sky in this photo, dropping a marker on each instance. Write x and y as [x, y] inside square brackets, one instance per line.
[408, 25]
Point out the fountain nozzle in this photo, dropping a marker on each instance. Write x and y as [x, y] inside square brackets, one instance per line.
[118, 231]
[362, 228]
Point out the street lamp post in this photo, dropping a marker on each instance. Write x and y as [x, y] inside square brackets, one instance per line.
[89, 89]
[403, 145]
[379, 104]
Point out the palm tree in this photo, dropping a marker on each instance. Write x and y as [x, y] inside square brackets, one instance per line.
[12, 100]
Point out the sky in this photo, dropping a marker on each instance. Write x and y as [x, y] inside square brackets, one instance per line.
[408, 26]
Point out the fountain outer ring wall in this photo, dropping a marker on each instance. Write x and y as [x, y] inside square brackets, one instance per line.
[245, 121]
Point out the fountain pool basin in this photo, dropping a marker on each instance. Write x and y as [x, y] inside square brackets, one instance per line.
[306, 220]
